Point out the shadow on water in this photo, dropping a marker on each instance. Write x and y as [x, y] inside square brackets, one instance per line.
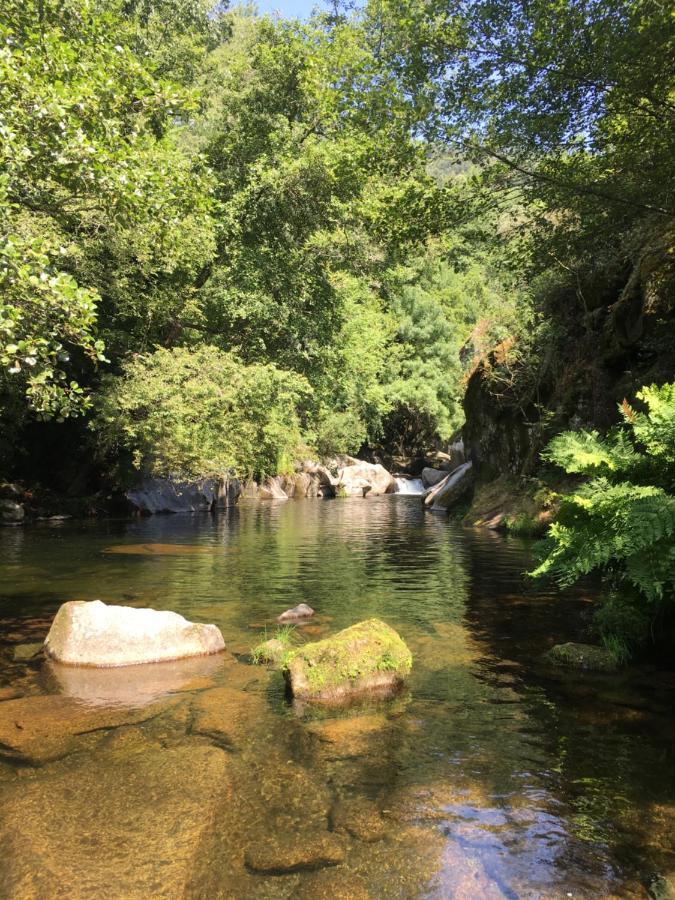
[491, 776]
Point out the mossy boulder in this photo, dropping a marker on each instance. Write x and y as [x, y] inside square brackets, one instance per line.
[587, 657]
[368, 658]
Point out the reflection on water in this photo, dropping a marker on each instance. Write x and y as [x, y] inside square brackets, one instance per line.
[492, 776]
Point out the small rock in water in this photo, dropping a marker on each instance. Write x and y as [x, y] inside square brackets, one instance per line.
[93, 634]
[582, 656]
[368, 658]
[295, 853]
[301, 611]
[272, 651]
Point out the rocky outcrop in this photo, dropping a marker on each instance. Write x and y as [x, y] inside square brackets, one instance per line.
[368, 658]
[166, 495]
[271, 489]
[358, 478]
[431, 477]
[454, 487]
[93, 634]
[588, 657]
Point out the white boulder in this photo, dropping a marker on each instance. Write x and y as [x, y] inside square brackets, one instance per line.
[93, 634]
[361, 478]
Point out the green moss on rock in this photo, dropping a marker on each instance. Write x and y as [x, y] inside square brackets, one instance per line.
[582, 656]
[366, 658]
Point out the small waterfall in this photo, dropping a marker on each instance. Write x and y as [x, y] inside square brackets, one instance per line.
[413, 487]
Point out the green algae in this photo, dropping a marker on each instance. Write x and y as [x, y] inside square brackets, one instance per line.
[582, 656]
[367, 656]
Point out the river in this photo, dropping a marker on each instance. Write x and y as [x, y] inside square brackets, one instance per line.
[493, 775]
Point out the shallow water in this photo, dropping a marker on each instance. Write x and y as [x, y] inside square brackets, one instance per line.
[491, 776]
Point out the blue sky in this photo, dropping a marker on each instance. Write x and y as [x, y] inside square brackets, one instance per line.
[288, 8]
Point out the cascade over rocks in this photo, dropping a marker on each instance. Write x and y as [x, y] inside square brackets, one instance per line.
[366, 658]
[93, 634]
[165, 495]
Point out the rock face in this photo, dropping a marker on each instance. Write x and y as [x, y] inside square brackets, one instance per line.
[164, 495]
[453, 488]
[132, 826]
[301, 611]
[582, 656]
[360, 478]
[366, 658]
[272, 489]
[93, 634]
[430, 477]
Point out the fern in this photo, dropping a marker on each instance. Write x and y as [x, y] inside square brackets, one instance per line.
[622, 521]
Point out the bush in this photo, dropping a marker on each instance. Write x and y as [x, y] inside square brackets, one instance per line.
[622, 521]
[198, 413]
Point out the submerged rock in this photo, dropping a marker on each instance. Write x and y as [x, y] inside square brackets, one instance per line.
[293, 853]
[227, 715]
[93, 634]
[164, 495]
[301, 611]
[333, 884]
[360, 818]
[130, 826]
[582, 656]
[366, 658]
[38, 729]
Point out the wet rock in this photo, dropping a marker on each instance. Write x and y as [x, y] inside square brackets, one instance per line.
[38, 729]
[451, 489]
[359, 818]
[301, 484]
[368, 658]
[294, 853]
[93, 634]
[227, 715]
[588, 657]
[430, 477]
[301, 611]
[165, 495]
[9, 693]
[128, 827]
[333, 884]
[11, 511]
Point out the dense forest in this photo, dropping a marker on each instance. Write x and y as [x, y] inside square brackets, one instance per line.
[229, 241]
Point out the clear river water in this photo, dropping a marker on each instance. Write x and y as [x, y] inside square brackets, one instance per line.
[492, 775]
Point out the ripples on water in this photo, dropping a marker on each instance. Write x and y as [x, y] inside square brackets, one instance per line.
[492, 776]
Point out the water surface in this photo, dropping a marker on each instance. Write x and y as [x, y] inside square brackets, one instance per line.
[491, 776]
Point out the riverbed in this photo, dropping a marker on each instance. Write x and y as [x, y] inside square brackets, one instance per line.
[492, 775]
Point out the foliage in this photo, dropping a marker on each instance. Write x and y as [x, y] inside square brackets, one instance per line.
[196, 413]
[622, 521]
[277, 648]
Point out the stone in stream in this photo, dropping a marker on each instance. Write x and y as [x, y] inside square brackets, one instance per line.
[38, 729]
[296, 852]
[360, 478]
[451, 489]
[123, 826]
[272, 651]
[93, 634]
[301, 611]
[368, 658]
[589, 657]
[431, 477]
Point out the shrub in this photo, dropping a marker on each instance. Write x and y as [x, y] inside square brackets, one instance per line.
[622, 521]
[198, 413]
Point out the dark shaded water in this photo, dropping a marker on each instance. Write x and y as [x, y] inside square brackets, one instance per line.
[493, 776]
